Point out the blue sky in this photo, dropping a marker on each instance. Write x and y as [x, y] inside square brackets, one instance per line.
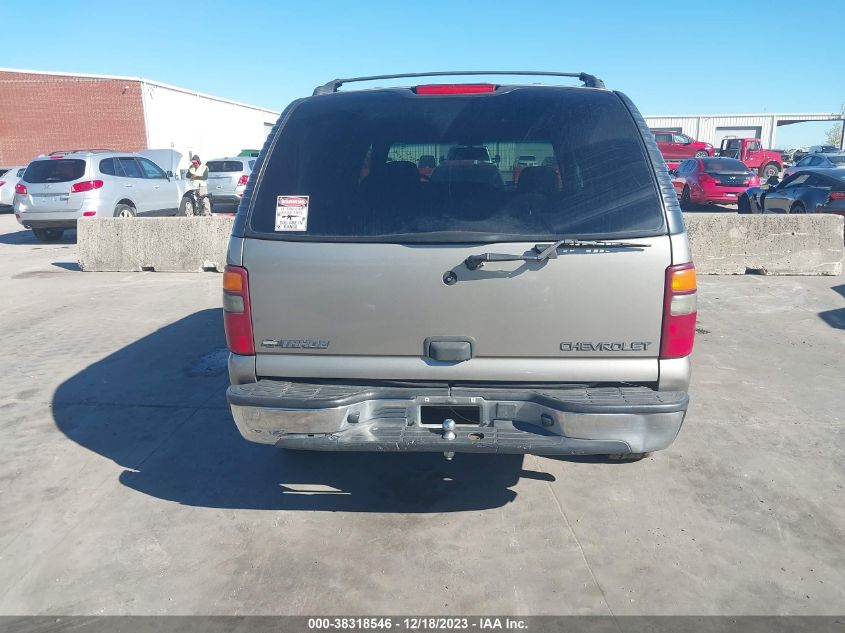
[669, 57]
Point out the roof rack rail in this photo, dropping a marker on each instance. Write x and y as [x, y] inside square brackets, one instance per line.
[590, 81]
[79, 151]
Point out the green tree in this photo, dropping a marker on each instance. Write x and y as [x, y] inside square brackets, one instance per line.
[834, 134]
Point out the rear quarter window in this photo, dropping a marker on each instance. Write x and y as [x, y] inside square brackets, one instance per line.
[358, 158]
[54, 170]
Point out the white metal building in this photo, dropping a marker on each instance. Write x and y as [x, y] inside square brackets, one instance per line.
[196, 123]
[712, 128]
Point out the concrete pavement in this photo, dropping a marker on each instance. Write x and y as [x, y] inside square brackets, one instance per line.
[125, 489]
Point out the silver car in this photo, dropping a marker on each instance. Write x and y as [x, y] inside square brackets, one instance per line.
[227, 178]
[369, 309]
[55, 191]
[817, 161]
[8, 179]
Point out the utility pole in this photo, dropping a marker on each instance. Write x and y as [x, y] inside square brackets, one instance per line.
[842, 128]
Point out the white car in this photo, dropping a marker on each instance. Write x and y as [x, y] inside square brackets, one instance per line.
[8, 180]
[227, 178]
[56, 190]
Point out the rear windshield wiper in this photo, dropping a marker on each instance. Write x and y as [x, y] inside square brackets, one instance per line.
[546, 251]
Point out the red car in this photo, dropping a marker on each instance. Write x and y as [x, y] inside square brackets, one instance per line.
[712, 180]
[675, 146]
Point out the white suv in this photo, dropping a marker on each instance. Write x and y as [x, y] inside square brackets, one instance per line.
[56, 190]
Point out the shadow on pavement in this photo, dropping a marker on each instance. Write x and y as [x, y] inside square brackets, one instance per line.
[836, 317]
[25, 236]
[157, 408]
[73, 266]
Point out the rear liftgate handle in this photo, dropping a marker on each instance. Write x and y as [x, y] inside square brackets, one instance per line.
[450, 349]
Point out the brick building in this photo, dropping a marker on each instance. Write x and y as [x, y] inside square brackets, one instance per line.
[42, 112]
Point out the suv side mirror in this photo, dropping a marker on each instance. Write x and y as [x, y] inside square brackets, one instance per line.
[170, 174]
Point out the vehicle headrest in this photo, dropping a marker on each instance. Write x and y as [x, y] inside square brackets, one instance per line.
[538, 180]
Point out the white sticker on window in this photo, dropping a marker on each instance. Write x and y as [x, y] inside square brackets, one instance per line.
[292, 213]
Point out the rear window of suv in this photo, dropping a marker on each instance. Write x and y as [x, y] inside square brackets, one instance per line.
[356, 157]
[54, 170]
[216, 166]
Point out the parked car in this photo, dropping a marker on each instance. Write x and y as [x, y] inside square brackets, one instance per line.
[711, 180]
[227, 178]
[381, 313]
[800, 153]
[823, 149]
[818, 161]
[55, 191]
[674, 146]
[793, 155]
[8, 179]
[765, 162]
[468, 154]
[806, 191]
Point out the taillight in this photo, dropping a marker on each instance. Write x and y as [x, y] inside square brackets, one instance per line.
[836, 195]
[21, 189]
[2, 182]
[454, 89]
[243, 180]
[706, 178]
[85, 185]
[680, 308]
[237, 319]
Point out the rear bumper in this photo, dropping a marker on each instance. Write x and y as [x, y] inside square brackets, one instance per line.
[48, 224]
[545, 421]
[726, 195]
[225, 198]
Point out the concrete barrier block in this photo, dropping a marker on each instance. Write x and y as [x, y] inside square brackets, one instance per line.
[160, 244]
[721, 243]
[733, 244]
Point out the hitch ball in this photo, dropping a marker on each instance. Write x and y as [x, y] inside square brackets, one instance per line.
[448, 429]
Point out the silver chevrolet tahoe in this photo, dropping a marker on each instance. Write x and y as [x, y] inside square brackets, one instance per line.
[370, 307]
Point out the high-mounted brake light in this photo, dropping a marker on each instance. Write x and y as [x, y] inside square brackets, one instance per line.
[21, 189]
[237, 317]
[243, 180]
[454, 89]
[680, 309]
[86, 185]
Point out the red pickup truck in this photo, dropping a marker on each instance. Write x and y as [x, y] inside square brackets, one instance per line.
[750, 151]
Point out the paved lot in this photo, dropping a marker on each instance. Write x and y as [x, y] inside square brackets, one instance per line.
[124, 487]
